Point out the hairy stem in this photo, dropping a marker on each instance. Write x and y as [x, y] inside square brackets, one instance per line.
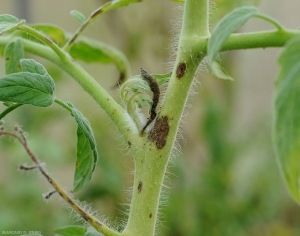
[152, 159]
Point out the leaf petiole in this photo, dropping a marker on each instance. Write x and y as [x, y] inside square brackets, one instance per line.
[9, 109]
[271, 20]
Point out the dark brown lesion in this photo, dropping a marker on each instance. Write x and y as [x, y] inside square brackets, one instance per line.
[48, 195]
[120, 81]
[140, 187]
[156, 94]
[181, 69]
[159, 132]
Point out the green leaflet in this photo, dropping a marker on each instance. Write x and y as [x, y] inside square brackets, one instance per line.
[225, 27]
[71, 230]
[287, 116]
[93, 232]
[92, 51]
[87, 154]
[13, 53]
[78, 16]
[117, 4]
[31, 86]
[89, 50]
[220, 72]
[9, 22]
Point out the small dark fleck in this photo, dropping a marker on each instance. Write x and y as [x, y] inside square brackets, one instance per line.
[98, 223]
[180, 71]
[150, 216]
[120, 81]
[85, 216]
[7, 59]
[70, 202]
[97, 13]
[129, 143]
[140, 187]
[50, 194]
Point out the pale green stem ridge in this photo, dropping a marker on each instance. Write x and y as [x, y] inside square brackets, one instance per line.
[43, 38]
[263, 39]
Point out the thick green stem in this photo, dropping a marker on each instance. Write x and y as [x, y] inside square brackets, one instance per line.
[152, 159]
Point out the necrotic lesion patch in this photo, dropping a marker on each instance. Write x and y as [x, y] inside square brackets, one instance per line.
[159, 132]
[180, 71]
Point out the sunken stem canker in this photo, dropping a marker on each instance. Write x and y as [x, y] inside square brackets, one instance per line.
[181, 69]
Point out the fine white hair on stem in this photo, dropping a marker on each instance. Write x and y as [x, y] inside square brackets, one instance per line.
[175, 33]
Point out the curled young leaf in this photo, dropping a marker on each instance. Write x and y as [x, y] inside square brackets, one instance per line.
[32, 86]
[287, 117]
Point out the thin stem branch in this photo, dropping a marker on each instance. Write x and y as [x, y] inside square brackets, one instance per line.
[273, 21]
[45, 39]
[61, 103]
[79, 31]
[99, 226]
[8, 110]
[95, 14]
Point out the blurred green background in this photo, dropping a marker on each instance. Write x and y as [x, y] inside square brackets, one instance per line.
[224, 181]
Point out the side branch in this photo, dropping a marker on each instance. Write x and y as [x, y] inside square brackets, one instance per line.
[99, 226]
[263, 39]
[118, 115]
